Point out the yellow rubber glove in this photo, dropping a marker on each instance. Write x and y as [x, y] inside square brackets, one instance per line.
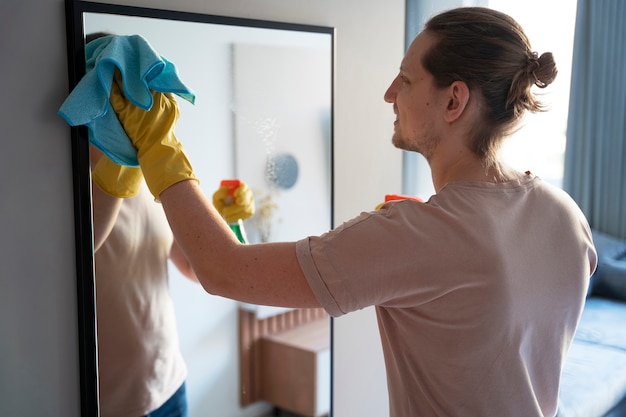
[116, 180]
[235, 204]
[160, 154]
[379, 205]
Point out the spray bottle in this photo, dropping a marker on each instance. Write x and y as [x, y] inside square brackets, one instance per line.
[395, 197]
[236, 226]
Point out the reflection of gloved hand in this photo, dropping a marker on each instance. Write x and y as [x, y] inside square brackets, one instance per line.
[234, 205]
[379, 206]
[116, 180]
[161, 156]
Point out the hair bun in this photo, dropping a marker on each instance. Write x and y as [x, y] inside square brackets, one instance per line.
[542, 69]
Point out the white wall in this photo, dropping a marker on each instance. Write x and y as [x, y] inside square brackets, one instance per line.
[38, 342]
[38, 347]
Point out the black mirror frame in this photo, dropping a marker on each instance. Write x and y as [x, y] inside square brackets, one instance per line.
[85, 273]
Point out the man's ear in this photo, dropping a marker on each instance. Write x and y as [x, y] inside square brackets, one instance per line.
[458, 97]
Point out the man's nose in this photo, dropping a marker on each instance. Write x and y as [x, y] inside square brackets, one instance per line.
[390, 94]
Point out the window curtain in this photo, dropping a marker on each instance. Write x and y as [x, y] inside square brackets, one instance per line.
[595, 155]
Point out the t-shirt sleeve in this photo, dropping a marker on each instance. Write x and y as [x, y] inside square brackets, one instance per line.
[364, 262]
[307, 263]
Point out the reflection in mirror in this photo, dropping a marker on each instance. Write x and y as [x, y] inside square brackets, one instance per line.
[263, 114]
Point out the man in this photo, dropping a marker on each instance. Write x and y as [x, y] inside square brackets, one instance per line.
[478, 291]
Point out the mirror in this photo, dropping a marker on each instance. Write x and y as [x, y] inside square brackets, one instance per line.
[263, 114]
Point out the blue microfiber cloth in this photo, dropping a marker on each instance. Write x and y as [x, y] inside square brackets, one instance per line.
[142, 69]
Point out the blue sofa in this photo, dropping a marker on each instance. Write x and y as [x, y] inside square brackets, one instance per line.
[593, 382]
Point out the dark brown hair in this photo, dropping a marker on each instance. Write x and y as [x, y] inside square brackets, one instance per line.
[96, 35]
[489, 51]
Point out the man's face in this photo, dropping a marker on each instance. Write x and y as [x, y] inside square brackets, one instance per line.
[416, 102]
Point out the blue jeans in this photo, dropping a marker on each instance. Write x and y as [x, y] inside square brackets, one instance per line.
[176, 406]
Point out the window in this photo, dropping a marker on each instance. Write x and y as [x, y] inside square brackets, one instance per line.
[540, 145]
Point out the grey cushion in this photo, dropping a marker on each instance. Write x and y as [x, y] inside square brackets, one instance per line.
[603, 322]
[608, 246]
[609, 280]
[593, 379]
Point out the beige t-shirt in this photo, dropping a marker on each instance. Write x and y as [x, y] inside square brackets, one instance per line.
[139, 361]
[477, 291]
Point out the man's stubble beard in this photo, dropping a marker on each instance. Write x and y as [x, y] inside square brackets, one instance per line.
[425, 146]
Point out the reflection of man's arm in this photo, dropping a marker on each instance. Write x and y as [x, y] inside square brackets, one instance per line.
[105, 207]
[180, 261]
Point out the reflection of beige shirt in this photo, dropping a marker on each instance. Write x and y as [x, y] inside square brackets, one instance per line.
[478, 293]
[140, 365]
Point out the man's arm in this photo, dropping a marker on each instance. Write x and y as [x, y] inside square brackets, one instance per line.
[180, 261]
[267, 273]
